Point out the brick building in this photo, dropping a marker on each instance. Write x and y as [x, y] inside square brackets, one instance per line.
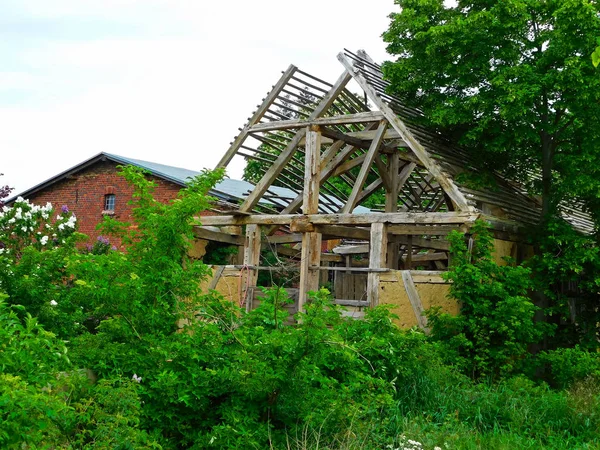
[93, 189]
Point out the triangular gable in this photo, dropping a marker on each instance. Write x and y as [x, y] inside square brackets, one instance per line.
[371, 144]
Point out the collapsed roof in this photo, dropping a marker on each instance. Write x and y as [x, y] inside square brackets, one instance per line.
[371, 144]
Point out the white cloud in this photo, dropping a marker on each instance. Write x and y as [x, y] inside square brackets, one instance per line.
[177, 91]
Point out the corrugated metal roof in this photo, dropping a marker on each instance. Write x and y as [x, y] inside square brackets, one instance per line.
[230, 190]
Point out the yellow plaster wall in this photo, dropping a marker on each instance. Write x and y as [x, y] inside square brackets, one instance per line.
[502, 249]
[432, 290]
[228, 285]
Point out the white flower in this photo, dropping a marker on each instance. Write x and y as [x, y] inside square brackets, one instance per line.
[136, 378]
[1, 251]
[44, 240]
[53, 303]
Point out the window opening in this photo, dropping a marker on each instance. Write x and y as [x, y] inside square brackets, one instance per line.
[109, 202]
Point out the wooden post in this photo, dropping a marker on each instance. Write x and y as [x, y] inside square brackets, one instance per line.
[311, 241]
[251, 261]
[391, 206]
[377, 251]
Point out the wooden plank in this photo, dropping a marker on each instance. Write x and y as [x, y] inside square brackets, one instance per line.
[286, 155]
[435, 244]
[365, 169]
[251, 259]
[446, 183]
[218, 236]
[355, 303]
[370, 116]
[377, 253]
[415, 300]
[258, 114]
[297, 253]
[399, 218]
[309, 266]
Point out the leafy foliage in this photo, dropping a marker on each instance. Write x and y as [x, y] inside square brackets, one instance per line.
[497, 323]
[512, 81]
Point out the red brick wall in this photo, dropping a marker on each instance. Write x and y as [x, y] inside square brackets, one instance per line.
[84, 193]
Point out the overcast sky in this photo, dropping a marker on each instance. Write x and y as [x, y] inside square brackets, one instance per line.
[168, 81]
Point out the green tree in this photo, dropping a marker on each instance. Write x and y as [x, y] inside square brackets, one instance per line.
[511, 80]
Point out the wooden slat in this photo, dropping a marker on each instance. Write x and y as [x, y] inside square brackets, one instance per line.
[447, 184]
[415, 300]
[269, 99]
[286, 155]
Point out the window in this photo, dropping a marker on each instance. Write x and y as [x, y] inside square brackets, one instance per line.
[109, 202]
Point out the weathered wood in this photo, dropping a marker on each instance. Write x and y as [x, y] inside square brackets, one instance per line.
[285, 238]
[312, 162]
[383, 173]
[415, 300]
[309, 266]
[354, 303]
[369, 190]
[391, 206]
[297, 254]
[348, 165]
[216, 277]
[344, 232]
[377, 253]
[425, 230]
[251, 259]
[364, 171]
[447, 184]
[404, 175]
[399, 218]
[370, 116]
[218, 236]
[286, 155]
[262, 109]
[409, 250]
[425, 257]
[435, 244]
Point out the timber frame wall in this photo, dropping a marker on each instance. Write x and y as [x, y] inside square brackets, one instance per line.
[307, 133]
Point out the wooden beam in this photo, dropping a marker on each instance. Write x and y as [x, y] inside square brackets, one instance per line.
[365, 169]
[312, 162]
[391, 205]
[218, 236]
[370, 116]
[403, 176]
[369, 190]
[251, 259]
[286, 155]
[415, 300]
[344, 232]
[349, 165]
[399, 218]
[310, 262]
[383, 172]
[285, 238]
[425, 230]
[445, 182]
[258, 114]
[377, 253]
